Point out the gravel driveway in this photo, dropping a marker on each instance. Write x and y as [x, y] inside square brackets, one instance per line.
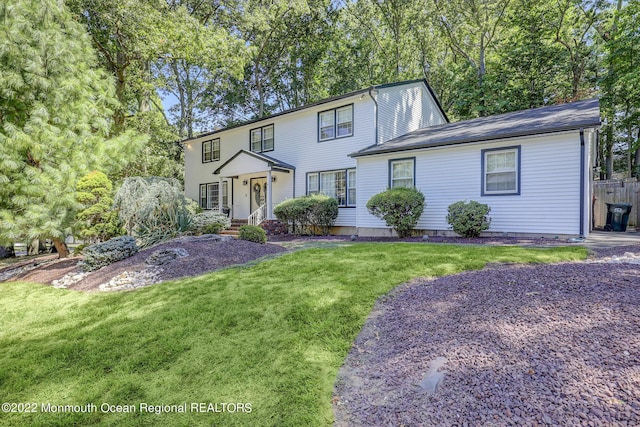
[508, 345]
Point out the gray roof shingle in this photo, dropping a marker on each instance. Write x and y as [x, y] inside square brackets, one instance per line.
[555, 118]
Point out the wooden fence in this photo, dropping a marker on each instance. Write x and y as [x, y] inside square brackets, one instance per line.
[627, 191]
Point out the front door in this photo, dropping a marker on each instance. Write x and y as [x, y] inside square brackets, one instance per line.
[258, 193]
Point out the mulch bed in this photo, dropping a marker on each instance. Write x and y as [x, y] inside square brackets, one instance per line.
[549, 345]
[205, 255]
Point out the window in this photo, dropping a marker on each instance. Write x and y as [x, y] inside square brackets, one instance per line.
[313, 186]
[501, 171]
[351, 187]
[262, 139]
[336, 123]
[340, 184]
[209, 195]
[402, 173]
[211, 150]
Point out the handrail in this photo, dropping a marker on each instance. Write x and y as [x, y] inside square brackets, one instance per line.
[258, 216]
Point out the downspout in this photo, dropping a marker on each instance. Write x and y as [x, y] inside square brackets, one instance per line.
[582, 182]
[373, 90]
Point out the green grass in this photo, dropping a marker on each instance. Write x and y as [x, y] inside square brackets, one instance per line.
[272, 335]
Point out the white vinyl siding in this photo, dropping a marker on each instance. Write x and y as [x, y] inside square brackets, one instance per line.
[298, 134]
[446, 175]
[403, 111]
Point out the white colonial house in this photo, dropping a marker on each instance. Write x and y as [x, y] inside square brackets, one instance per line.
[533, 167]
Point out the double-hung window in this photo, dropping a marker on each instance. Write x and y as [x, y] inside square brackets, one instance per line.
[339, 184]
[210, 195]
[211, 150]
[402, 173]
[262, 139]
[501, 171]
[335, 123]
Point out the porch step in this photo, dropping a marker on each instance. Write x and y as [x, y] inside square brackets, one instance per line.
[234, 230]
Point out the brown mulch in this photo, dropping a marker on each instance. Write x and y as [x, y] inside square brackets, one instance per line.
[205, 255]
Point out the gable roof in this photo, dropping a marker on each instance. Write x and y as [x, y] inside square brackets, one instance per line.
[326, 101]
[555, 118]
[269, 161]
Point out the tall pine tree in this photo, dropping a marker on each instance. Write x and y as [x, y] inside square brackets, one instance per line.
[54, 110]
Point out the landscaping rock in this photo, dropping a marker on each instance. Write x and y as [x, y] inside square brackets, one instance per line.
[164, 256]
[132, 280]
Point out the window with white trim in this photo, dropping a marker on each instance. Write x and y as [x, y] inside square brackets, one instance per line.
[209, 195]
[335, 123]
[500, 171]
[339, 184]
[211, 150]
[402, 173]
[262, 139]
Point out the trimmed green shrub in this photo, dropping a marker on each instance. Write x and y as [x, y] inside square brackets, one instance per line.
[400, 208]
[469, 219]
[253, 233]
[210, 222]
[314, 214]
[97, 221]
[106, 253]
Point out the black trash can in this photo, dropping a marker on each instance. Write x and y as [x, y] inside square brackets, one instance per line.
[617, 216]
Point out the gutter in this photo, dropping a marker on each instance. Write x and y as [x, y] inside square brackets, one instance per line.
[371, 89]
[582, 182]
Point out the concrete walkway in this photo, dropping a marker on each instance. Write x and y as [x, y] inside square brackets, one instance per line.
[608, 239]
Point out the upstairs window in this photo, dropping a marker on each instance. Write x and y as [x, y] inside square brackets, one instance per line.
[501, 171]
[211, 150]
[262, 139]
[402, 173]
[335, 123]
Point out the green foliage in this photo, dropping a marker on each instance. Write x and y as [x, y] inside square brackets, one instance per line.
[154, 209]
[283, 325]
[253, 233]
[98, 221]
[314, 214]
[210, 222]
[400, 208]
[106, 253]
[469, 219]
[54, 110]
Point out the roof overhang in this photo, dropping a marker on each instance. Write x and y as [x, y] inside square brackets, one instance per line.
[527, 123]
[246, 162]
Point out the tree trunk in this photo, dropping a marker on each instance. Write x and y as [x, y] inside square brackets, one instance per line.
[61, 247]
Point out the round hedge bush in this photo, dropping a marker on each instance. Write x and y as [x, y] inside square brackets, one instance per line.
[469, 219]
[400, 208]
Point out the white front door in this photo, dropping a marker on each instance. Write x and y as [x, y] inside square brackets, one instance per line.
[258, 193]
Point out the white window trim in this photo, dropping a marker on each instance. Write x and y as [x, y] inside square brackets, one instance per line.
[411, 160]
[262, 139]
[335, 123]
[489, 151]
[208, 189]
[348, 202]
[211, 151]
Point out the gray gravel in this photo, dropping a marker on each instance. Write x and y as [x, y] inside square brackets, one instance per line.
[524, 345]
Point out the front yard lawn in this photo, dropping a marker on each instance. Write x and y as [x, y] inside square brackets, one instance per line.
[257, 346]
